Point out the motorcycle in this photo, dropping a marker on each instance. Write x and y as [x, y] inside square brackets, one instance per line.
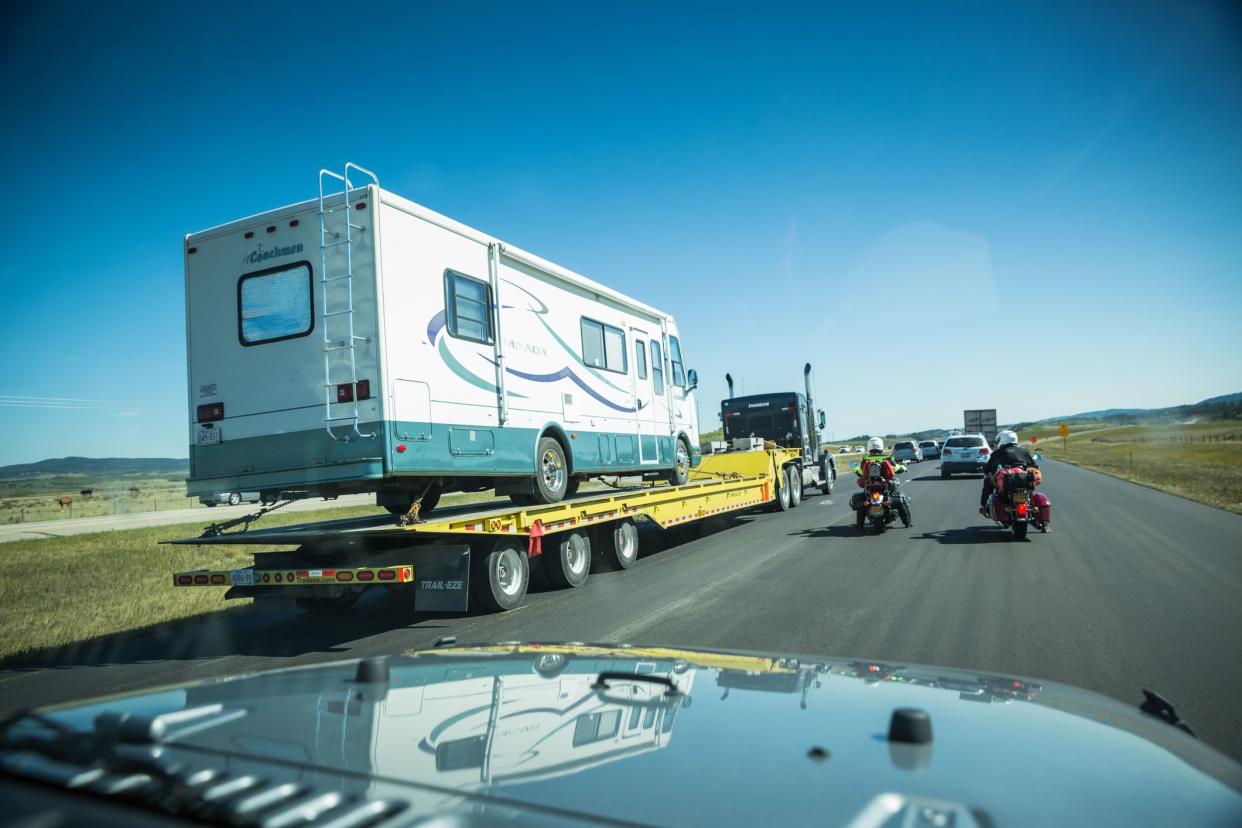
[880, 502]
[1015, 504]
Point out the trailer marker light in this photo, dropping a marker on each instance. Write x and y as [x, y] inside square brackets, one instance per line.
[364, 389]
[400, 448]
[289, 577]
[279, 578]
[293, 223]
[250, 234]
[366, 575]
[210, 412]
[344, 576]
[345, 392]
[184, 580]
[200, 579]
[266, 578]
[387, 575]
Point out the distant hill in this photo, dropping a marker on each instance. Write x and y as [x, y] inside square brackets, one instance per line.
[98, 467]
[1227, 398]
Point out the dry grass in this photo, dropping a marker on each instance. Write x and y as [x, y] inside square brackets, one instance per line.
[1200, 461]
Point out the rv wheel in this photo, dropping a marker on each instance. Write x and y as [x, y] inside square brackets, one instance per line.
[680, 473]
[551, 472]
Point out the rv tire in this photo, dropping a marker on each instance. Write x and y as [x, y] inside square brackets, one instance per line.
[551, 472]
[680, 473]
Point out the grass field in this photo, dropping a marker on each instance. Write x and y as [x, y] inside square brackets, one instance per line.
[36, 498]
[1200, 461]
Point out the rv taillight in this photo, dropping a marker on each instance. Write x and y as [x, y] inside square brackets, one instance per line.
[364, 389]
[210, 412]
[345, 392]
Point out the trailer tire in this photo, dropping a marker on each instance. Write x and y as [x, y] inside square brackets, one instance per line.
[680, 473]
[569, 564]
[782, 491]
[619, 544]
[551, 472]
[499, 574]
[795, 486]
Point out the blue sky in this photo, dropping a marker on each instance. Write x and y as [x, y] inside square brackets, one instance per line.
[784, 179]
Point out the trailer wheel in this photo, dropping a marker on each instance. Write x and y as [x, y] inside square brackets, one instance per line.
[680, 473]
[551, 472]
[619, 543]
[795, 486]
[782, 491]
[570, 564]
[500, 575]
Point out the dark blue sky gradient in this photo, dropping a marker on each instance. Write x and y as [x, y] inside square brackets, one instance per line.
[1073, 171]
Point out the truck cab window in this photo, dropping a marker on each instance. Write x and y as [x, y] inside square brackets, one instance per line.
[275, 304]
[468, 304]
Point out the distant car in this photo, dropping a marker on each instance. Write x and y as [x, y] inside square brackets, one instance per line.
[907, 452]
[231, 498]
[963, 453]
[930, 449]
[844, 450]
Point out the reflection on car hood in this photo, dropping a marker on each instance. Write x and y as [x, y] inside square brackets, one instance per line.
[743, 739]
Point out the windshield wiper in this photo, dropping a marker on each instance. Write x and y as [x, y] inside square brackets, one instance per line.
[1156, 705]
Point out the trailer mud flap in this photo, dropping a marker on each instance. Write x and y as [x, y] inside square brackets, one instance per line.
[442, 574]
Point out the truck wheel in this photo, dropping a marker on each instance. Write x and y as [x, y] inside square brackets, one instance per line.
[570, 563]
[827, 479]
[782, 491]
[795, 486]
[499, 576]
[430, 499]
[234, 499]
[680, 473]
[619, 543]
[551, 472]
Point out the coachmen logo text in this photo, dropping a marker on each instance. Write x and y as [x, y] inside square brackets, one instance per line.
[261, 255]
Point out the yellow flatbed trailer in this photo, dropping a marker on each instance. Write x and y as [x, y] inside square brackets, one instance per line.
[485, 551]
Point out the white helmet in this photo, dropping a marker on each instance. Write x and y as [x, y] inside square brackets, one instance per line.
[875, 444]
[1006, 438]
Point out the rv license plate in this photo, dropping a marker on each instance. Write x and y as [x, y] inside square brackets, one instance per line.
[242, 577]
[207, 436]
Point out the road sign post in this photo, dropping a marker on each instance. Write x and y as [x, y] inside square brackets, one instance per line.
[1064, 434]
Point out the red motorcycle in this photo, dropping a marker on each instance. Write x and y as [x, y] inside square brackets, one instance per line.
[1015, 504]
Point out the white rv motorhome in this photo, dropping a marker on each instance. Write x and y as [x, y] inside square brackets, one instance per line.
[361, 342]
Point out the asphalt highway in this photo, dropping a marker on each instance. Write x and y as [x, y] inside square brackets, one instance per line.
[1132, 589]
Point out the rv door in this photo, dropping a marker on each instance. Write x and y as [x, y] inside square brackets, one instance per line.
[646, 411]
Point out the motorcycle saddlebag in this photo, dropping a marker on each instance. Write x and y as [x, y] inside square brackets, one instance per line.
[856, 501]
[1009, 479]
[1041, 502]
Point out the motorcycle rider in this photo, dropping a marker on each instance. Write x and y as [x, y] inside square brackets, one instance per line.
[1008, 453]
[889, 469]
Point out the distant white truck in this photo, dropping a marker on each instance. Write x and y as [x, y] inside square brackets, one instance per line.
[360, 342]
[980, 421]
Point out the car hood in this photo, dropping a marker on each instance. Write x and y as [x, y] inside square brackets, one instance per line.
[585, 733]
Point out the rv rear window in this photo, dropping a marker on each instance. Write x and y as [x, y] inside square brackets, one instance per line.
[275, 304]
[603, 346]
[467, 304]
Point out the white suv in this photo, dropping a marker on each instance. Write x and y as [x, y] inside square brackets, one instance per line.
[963, 453]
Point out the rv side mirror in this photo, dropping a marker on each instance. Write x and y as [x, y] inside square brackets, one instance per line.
[692, 380]
[823, 421]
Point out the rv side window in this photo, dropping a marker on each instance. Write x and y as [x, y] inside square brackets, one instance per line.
[674, 356]
[640, 358]
[275, 304]
[657, 368]
[603, 346]
[468, 304]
